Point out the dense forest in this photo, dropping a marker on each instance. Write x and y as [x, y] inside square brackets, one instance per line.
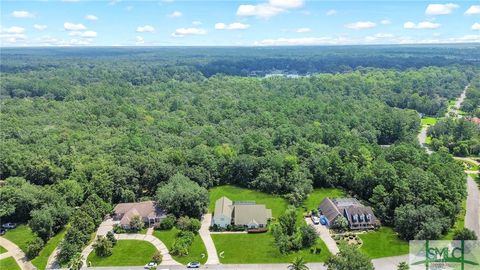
[81, 130]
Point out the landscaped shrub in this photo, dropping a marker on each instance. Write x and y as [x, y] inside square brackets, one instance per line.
[118, 229]
[136, 224]
[34, 247]
[167, 223]
[157, 257]
[111, 238]
[188, 224]
[103, 247]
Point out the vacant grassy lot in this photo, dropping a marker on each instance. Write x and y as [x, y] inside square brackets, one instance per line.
[383, 243]
[125, 253]
[2, 250]
[20, 236]
[276, 203]
[9, 264]
[41, 260]
[259, 248]
[196, 249]
[428, 121]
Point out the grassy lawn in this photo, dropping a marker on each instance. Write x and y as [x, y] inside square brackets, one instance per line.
[9, 263]
[383, 243]
[428, 121]
[276, 203]
[125, 253]
[2, 250]
[459, 223]
[259, 248]
[196, 249]
[316, 197]
[20, 236]
[41, 260]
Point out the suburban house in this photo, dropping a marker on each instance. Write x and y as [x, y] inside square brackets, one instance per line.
[147, 210]
[359, 217]
[240, 213]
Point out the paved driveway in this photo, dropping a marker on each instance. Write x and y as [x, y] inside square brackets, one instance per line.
[324, 234]
[472, 215]
[208, 241]
[14, 251]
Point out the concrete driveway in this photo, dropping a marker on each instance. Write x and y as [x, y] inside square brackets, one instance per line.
[208, 241]
[14, 251]
[324, 234]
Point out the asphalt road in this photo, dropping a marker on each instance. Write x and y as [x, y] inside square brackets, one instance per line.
[472, 217]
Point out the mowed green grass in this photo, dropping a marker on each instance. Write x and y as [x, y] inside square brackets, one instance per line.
[41, 260]
[259, 248]
[428, 121]
[9, 264]
[125, 253]
[2, 250]
[383, 243]
[276, 203]
[196, 249]
[316, 197]
[20, 236]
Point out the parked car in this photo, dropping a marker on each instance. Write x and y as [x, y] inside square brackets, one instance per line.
[150, 265]
[315, 220]
[9, 225]
[193, 265]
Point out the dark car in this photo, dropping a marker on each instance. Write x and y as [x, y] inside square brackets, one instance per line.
[193, 265]
[9, 225]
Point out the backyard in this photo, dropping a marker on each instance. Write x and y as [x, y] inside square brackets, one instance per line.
[383, 243]
[259, 248]
[196, 249]
[20, 236]
[125, 253]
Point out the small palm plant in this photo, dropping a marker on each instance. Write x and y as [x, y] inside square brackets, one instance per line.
[298, 264]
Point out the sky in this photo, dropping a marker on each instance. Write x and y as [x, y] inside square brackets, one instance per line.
[236, 23]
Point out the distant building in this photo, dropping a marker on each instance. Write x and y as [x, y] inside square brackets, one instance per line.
[248, 214]
[359, 217]
[148, 211]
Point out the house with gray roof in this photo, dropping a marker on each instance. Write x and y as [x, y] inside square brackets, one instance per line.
[150, 213]
[240, 213]
[359, 217]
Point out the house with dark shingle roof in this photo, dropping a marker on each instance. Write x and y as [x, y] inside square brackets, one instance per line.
[240, 213]
[148, 211]
[359, 217]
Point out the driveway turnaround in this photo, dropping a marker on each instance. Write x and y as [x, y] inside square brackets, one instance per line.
[325, 236]
[14, 251]
[208, 241]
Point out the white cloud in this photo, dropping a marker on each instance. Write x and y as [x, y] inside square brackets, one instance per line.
[232, 26]
[261, 11]
[331, 12]
[91, 17]
[197, 23]
[145, 29]
[473, 10]
[12, 30]
[440, 9]
[86, 34]
[139, 40]
[114, 2]
[421, 25]
[385, 22]
[476, 26]
[181, 32]
[361, 25]
[12, 34]
[303, 30]
[270, 9]
[40, 27]
[73, 27]
[175, 14]
[286, 4]
[22, 14]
